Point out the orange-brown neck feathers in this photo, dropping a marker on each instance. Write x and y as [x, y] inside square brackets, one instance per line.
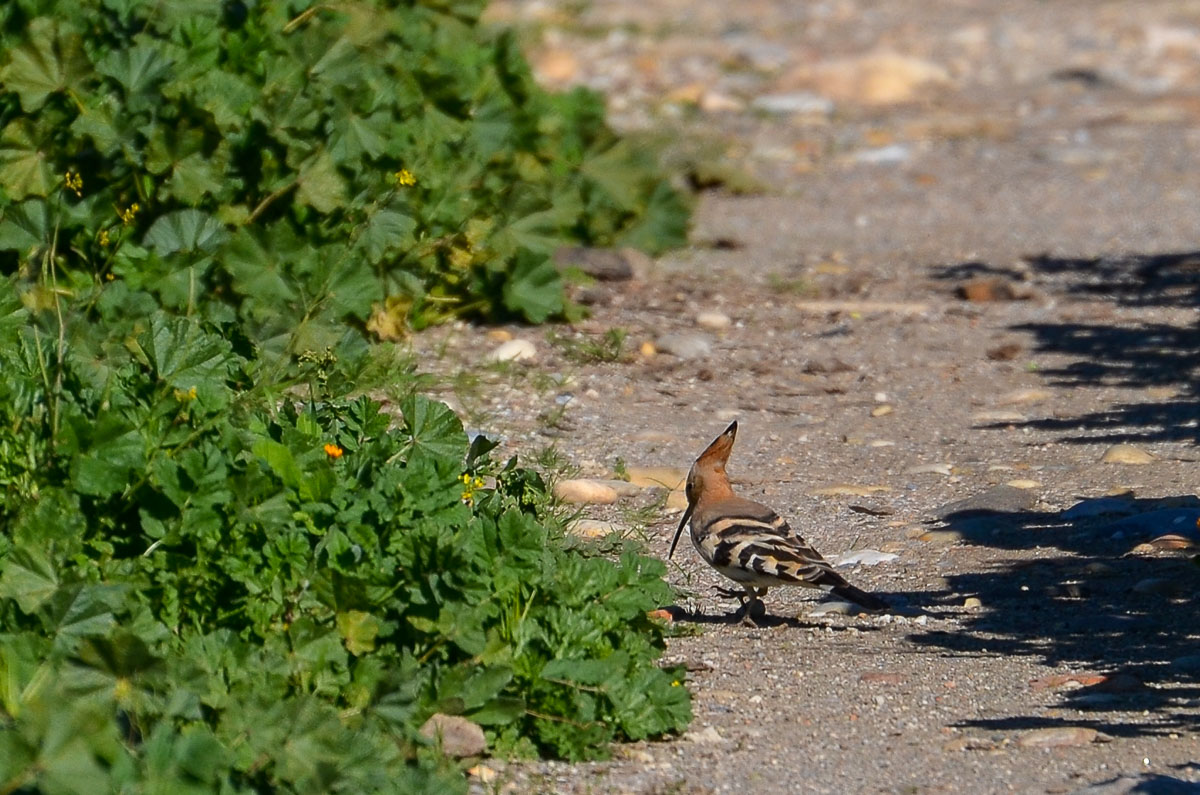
[710, 466]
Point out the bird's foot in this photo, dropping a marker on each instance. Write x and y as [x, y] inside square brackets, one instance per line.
[731, 593]
[749, 612]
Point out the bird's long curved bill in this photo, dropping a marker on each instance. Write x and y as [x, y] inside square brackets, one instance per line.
[682, 524]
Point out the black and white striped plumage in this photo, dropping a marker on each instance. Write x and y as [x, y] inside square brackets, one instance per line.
[747, 541]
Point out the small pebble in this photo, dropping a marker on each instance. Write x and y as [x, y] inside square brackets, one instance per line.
[848, 490]
[582, 491]
[1159, 585]
[882, 411]
[458, 736]
[1024, 396]
[706, 736]
[929, 469]
[1127, 454]
[800, 102]
[685, 345]
[714, 321]
[592, 528]
[941, 537]
[997, 417]
[517, 350]
[1058, 737]
[670, 478]
[867, 557]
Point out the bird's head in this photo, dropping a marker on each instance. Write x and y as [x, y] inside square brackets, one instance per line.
[707, 473]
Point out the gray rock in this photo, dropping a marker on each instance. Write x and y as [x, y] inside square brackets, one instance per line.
[1101, 506]
[867, 557]
[456, 735]
[1180, 521]
[602, 264]
[883, 155]
[998, 499]
[835, 609]
[685, 345]
[797, 102]
[1058, 737]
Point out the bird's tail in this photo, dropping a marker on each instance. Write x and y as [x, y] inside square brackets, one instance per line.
[860, 597]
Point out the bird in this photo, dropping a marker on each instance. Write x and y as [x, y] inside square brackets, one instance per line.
[750, 543]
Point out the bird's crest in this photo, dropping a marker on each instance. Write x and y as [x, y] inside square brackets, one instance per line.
[718, 452]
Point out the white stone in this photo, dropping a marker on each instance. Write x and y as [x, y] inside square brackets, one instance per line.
[517, 350]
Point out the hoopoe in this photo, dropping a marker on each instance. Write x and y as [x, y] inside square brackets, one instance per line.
[748, 542]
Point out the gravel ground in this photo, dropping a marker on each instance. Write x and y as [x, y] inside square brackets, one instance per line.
[970, 261]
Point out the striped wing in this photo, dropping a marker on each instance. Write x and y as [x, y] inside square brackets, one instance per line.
[785, 558]
[751, 544]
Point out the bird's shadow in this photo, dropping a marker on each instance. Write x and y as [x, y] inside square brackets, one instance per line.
[767, 620]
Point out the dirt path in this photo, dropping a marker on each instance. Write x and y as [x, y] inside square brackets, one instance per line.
[1040, 154]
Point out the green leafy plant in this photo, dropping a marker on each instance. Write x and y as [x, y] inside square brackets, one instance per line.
[289, 163]
[221, 567]
[205, 580]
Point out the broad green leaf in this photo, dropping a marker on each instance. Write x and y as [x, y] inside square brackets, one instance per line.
[186, 230]
[387, 232]
[28, 577]
[195, 177]
[611, 171]
[533, 288]
[433, 427]
[25, 226]
[77, 610]
[358, 136]
[136, 68]
[259, 262]
[24, 170]
[663, 224]
[115, 452]
[279, 457]
[123, 654]
[321, 187]
[186, 356]
[500, 710]
[50, 60]
[359, 630]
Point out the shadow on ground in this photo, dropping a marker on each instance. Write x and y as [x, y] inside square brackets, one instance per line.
[1126, 627]
[1139, 354]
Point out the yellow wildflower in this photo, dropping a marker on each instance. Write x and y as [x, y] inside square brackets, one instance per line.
[103, 239]
[333, 451]
[405, 178]
[470, 486]
[185, 397]
[128, 215]
[74, 182]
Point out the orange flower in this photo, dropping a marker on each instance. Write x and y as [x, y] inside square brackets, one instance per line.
[333, 451]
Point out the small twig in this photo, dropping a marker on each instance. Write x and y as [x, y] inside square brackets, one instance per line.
[269, 200]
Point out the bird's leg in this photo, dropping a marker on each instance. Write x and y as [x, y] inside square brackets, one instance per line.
[752, 606]
[756, 608]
